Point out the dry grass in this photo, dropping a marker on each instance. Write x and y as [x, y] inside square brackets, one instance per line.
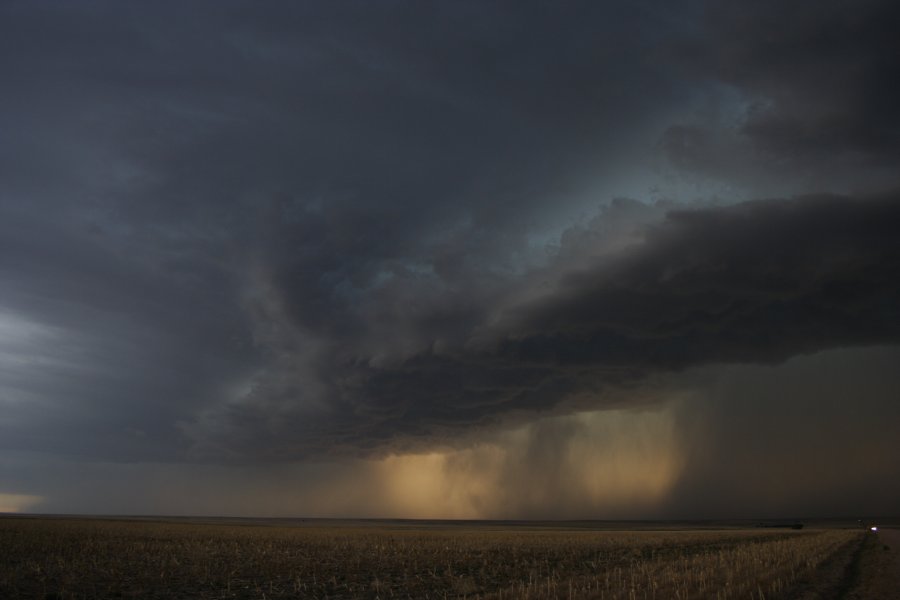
[57, 558]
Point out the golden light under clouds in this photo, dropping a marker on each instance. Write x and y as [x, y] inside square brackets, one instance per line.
[14, 503]
[593, 464]
[602, 464]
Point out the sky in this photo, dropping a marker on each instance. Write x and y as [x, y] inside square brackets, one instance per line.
[506, 260]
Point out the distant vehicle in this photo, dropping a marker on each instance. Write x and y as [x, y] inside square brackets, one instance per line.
[863, 525]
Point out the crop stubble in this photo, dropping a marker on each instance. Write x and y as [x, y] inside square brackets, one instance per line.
[95, 558]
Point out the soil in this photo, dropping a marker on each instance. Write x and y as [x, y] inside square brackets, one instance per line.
[878, 576]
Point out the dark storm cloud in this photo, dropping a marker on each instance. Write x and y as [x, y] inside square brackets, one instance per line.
[825, 71]
[321, 228]
[757, 282]
[194, 194]
[812, 89]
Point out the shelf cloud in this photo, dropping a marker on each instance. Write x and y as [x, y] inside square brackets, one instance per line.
[345, 242]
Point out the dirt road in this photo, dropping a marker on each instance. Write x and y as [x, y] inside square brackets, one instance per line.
[878, 575]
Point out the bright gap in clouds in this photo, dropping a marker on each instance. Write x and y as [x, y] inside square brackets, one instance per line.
[606, 462]
[16, 503]
[599, 464]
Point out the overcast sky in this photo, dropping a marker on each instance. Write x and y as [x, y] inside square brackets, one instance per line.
[450, 259]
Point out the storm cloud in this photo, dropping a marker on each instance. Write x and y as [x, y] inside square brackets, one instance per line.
[756, 282]
[236, 237]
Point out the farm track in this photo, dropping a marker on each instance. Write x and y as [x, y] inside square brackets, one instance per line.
[835, 576]
[118, 559]
[876, 573]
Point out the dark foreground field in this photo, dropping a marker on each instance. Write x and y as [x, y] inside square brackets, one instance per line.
[99, 558]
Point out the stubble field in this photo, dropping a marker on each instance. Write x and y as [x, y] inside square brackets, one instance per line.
[105, 558]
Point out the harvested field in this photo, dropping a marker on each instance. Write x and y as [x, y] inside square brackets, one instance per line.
[97, 558]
